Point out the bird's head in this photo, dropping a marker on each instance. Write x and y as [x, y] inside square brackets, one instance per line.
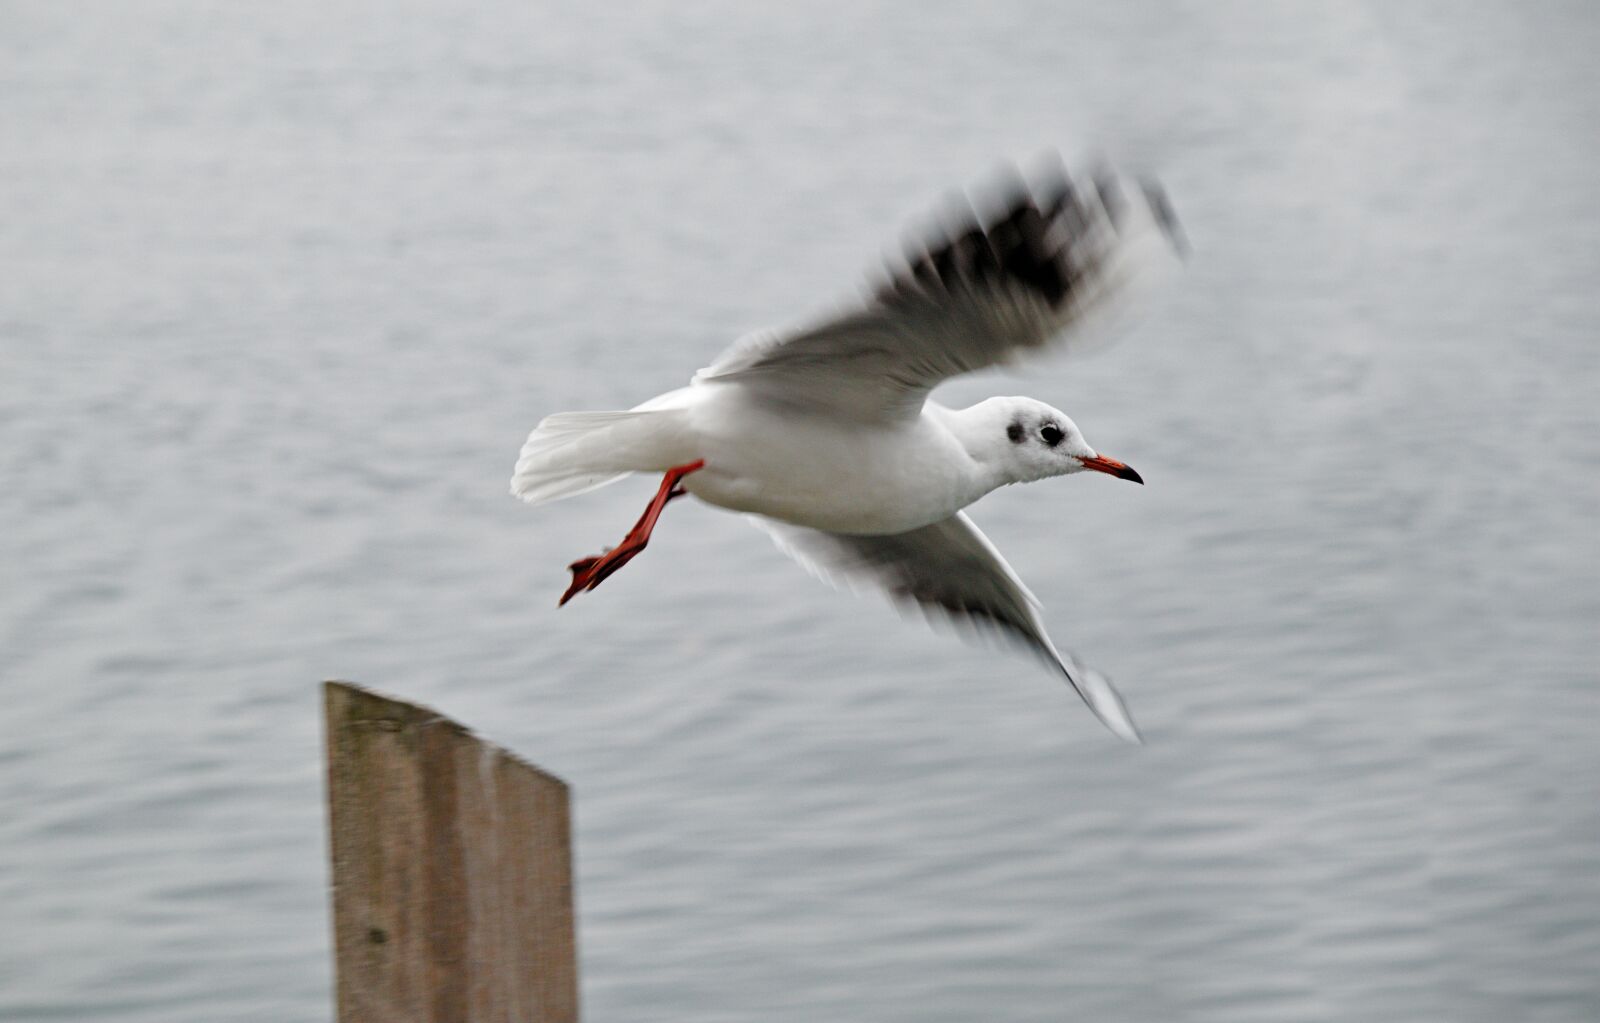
[1027, 440]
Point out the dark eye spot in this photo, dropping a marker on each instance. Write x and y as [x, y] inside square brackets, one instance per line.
[1014, 432]
[1051, 434]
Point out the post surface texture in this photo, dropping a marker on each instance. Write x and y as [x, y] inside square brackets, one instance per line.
[452, 871]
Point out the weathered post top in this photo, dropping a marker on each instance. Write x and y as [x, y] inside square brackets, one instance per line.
[452, 871]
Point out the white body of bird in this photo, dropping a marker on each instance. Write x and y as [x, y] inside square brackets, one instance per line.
[827, 473]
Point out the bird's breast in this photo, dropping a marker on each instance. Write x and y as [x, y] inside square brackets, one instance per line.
[839, 476]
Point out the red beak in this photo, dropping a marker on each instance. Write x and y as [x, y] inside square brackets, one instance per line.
[1121, 470]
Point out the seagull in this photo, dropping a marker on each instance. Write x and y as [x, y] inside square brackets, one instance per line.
[825, 435]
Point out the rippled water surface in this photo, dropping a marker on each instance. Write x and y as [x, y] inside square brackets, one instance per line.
[283, 286]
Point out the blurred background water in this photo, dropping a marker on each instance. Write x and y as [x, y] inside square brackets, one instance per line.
[282, 287]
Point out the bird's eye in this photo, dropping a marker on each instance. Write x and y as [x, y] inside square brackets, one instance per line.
[1051, 434]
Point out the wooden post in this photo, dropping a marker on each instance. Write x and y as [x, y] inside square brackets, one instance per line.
[452, 871]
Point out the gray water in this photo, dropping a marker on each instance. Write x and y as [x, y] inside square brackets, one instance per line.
[283, 286]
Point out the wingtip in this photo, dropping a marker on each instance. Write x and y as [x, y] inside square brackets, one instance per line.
[1114, 715]
[1117, 720]
[1166, 218]
[1103, 700]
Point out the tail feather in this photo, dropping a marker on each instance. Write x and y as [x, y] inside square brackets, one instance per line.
[535, 489]
[572, 453]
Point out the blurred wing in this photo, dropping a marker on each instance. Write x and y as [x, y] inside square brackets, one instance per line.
[979, 293]
[948, 569]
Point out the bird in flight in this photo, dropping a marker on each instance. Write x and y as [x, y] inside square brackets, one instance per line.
[825, 435]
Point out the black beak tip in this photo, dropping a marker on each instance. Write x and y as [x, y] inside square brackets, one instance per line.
[1127, 472]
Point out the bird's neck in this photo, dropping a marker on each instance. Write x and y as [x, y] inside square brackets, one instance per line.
[987, 465]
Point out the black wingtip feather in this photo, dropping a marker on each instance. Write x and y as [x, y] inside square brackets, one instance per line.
[1161, 208]
[1014, 247]
[1022, 235]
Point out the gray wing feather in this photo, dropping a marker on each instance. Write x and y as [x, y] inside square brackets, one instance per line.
[977, 294]
[949, 570]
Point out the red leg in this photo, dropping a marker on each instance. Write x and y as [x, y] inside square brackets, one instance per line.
[587, 573]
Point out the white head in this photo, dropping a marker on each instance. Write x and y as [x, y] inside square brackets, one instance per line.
[1021, 440]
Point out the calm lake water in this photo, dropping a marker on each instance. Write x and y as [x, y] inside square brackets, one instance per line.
[282, 287]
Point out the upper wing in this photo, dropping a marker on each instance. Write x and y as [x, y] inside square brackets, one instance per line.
[979, 293]
[952, 569]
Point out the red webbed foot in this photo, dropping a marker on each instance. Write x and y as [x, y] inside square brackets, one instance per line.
[587, 573]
